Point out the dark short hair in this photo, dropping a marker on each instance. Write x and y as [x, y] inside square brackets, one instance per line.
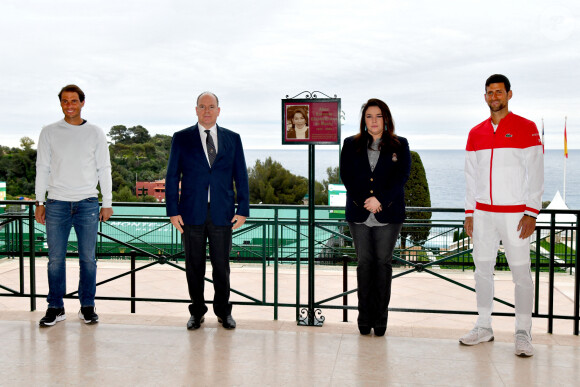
[210, 93]
[498, 78]
[73, 89]
[363, 139]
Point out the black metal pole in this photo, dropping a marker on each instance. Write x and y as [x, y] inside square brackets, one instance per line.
[21, 251]
[32, 249]
[537, 266]
[345, 287]
[576, 278]
[133, 259]
[311, 218]
[298, 262]
[275, 243]
[551, 274]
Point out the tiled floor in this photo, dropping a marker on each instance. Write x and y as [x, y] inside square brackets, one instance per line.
[152, 347]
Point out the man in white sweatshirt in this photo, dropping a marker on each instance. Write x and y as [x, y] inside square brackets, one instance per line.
[72, 158]
[504, 174]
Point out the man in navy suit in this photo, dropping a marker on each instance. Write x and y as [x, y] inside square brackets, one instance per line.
[207, 159]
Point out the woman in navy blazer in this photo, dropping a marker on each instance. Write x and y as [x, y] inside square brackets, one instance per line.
[374, 167]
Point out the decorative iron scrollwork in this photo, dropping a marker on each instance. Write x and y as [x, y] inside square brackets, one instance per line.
[310, 95]
[313, 318]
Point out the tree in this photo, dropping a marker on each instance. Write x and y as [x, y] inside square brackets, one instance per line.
[124, 195]
[18, 168]
[26, 143]
[134, 135]
[118, 179]
[271, 183]
[137, 155]
[139, 135]
[459, 235]
[417, 195]
[119, 134]
[320, 194]
[333, 178]
[148, 199]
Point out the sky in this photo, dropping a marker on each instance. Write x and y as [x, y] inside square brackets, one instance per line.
[144, 62]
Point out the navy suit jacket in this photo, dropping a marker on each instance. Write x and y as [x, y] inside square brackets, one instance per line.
[386, 182]
[188, 164]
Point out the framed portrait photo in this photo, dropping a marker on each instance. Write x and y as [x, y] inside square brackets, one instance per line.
[311, 121]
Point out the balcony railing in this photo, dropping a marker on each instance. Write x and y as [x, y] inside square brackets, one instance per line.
[276, 235]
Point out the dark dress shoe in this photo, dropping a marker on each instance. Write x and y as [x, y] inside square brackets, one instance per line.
[194, 322]
[364, 329]
[228, 322]
[380, 331]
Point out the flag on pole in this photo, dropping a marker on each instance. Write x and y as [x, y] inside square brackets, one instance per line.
[543, 150]
[565, 139]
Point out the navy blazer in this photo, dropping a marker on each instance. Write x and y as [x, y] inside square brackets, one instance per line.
[188, 164]
[386, 182]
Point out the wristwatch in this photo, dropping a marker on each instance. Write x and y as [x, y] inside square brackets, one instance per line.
[39, 203]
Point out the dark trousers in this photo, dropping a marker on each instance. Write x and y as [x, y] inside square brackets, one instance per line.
[374, 249]
[195, 239]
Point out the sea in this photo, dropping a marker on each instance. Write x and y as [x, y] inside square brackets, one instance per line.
[444, 169]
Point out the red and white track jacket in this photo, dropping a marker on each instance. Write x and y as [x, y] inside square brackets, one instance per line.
[504, 171]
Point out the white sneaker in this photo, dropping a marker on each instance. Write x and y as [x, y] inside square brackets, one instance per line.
[477, 335]
[524, 346]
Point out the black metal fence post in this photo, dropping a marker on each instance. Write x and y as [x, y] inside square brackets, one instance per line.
[551, 273]
[345, 287]
[21, 253]
[275, 247]
[32, 251]
[133, 255]
[298, 262]
[576, 279]
[537, 269]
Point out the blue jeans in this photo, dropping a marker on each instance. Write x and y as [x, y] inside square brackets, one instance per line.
[60, 217]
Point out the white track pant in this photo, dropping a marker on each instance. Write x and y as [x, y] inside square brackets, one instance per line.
[489, 228]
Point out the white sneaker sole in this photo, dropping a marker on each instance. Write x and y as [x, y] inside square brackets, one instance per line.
[524, 354]
[57, 319]
[476, 342]
[87, 321]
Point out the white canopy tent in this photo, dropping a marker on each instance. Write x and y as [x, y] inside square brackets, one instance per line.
[557, 204]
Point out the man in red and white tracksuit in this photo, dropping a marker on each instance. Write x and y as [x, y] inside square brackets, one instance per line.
[504, 173]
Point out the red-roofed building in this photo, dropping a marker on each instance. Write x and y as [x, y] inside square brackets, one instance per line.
[152, 188]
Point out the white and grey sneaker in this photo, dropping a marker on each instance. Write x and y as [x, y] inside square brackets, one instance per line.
[477, 335]
[524, 346]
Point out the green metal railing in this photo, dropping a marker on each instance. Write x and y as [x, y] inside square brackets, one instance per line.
[276, 235]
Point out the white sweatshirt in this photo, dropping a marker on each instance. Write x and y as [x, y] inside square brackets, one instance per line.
[504, 170]
[70, 161]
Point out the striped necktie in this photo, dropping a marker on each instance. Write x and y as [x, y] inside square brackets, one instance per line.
[211, 153]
